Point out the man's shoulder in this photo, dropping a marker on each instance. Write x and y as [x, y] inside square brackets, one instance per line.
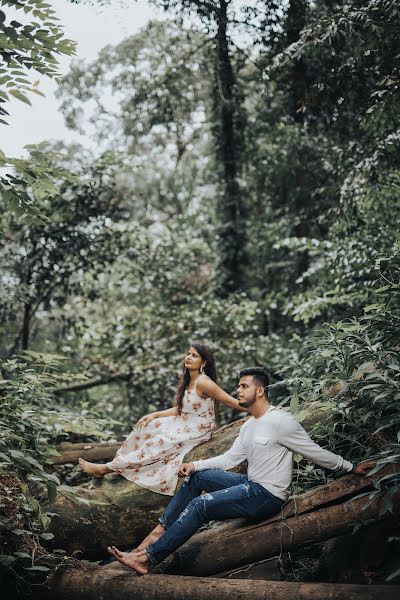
[283, 416]
[246, 424]
[281, 413]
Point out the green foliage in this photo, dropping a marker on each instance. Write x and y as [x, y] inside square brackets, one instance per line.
[26, 47]
[121, 272]
[144, 317]
[341, 278]
[76, 232]
[358, 43]
[25, 183]
[160, 119]
[353, 367]
[31, 420]
[34, 44]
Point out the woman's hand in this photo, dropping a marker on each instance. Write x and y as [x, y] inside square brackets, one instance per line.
[145, 420]
[185, 469]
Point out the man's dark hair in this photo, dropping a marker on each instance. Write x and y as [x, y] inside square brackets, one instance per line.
[260, 375]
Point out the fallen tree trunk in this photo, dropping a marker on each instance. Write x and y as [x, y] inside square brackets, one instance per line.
[123, 522]
[212, 551]
[96, 452]
[105, 451]
[92, 583]
[116, 511]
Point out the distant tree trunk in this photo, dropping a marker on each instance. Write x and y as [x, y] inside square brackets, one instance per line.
[226, 131]
[26, 326]
[295, 22]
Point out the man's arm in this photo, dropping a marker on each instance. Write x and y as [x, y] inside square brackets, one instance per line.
[293, 436]
[231, 458]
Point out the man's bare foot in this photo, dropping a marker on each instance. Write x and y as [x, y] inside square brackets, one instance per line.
[93, 469]
[137, 562]
[150, 539]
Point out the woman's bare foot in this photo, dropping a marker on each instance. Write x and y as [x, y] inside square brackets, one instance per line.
[137, 562]
[93, 469]
[151, 538]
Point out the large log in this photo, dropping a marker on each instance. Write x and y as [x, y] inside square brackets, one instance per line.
[94, 452]
[105, 451]
[115, 510]
[333, 492]
[118, 511]
[94, 583]
[213, 551]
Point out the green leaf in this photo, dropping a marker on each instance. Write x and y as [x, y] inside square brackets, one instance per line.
[294, 403]
[51, 491]
[20, 96]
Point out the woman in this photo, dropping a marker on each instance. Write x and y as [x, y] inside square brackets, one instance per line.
[152, 453]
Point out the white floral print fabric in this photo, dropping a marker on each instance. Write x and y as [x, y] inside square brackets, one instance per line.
[151, 455]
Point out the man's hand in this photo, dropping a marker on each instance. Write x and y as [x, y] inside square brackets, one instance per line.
[364, 467]
[185, 469]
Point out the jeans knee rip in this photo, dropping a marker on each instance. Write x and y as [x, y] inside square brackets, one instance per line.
[183, 514]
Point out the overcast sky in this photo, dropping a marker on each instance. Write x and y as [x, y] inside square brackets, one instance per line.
[92, 27]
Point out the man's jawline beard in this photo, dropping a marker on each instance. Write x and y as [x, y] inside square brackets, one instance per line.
[248, 403]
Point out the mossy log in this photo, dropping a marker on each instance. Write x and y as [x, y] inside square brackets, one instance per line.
[91, 451]
[310, 518]
[105, 451]
[116, 511]
[96, 583]
[215, 551]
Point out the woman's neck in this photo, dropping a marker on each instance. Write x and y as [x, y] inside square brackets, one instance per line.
[193, 374]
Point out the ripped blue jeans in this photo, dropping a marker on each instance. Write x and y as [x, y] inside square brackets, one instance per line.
[229, 495]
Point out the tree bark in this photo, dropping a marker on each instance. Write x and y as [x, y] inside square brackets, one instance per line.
[85, 385]
[226, 108]
[295, 22]
[210, 552]
[116, 511]
[69, 453]
[26, 326]
[92, 583]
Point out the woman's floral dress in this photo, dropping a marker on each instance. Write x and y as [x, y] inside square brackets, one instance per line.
[151, 455]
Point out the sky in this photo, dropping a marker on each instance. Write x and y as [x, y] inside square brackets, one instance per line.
[92, 27]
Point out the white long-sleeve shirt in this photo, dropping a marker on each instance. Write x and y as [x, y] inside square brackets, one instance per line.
[268, 443]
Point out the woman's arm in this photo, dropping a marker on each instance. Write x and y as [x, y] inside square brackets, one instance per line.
[208, 387]
[169, 412]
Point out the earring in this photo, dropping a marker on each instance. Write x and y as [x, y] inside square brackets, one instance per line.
[202, 371]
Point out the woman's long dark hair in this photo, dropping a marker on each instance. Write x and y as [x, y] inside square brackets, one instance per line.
[209, 369]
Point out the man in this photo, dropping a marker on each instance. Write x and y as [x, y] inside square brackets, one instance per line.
[267, 441]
